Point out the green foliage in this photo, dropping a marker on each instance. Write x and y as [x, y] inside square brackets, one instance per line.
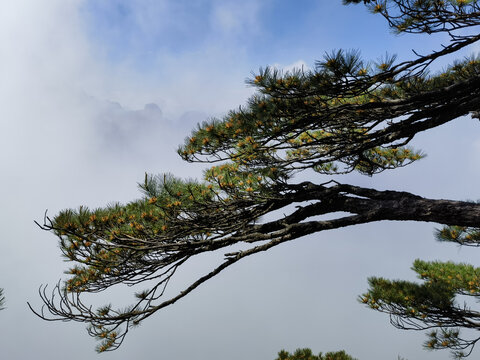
[423, 16]
[277, 113]
[462, 235]
[108, 241]
[307, 354]
[431, 304]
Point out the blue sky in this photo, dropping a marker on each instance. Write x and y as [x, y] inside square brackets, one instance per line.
[95, 93]
[263, 32]
[185, 26]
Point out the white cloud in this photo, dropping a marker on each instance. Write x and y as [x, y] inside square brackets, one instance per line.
[296, 65]
[233, 18]
[55, 153]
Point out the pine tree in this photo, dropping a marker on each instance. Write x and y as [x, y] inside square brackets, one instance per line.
[307, 354]
[345, 115]
[435, 305]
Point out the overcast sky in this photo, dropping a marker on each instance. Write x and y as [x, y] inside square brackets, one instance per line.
[95, 93]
